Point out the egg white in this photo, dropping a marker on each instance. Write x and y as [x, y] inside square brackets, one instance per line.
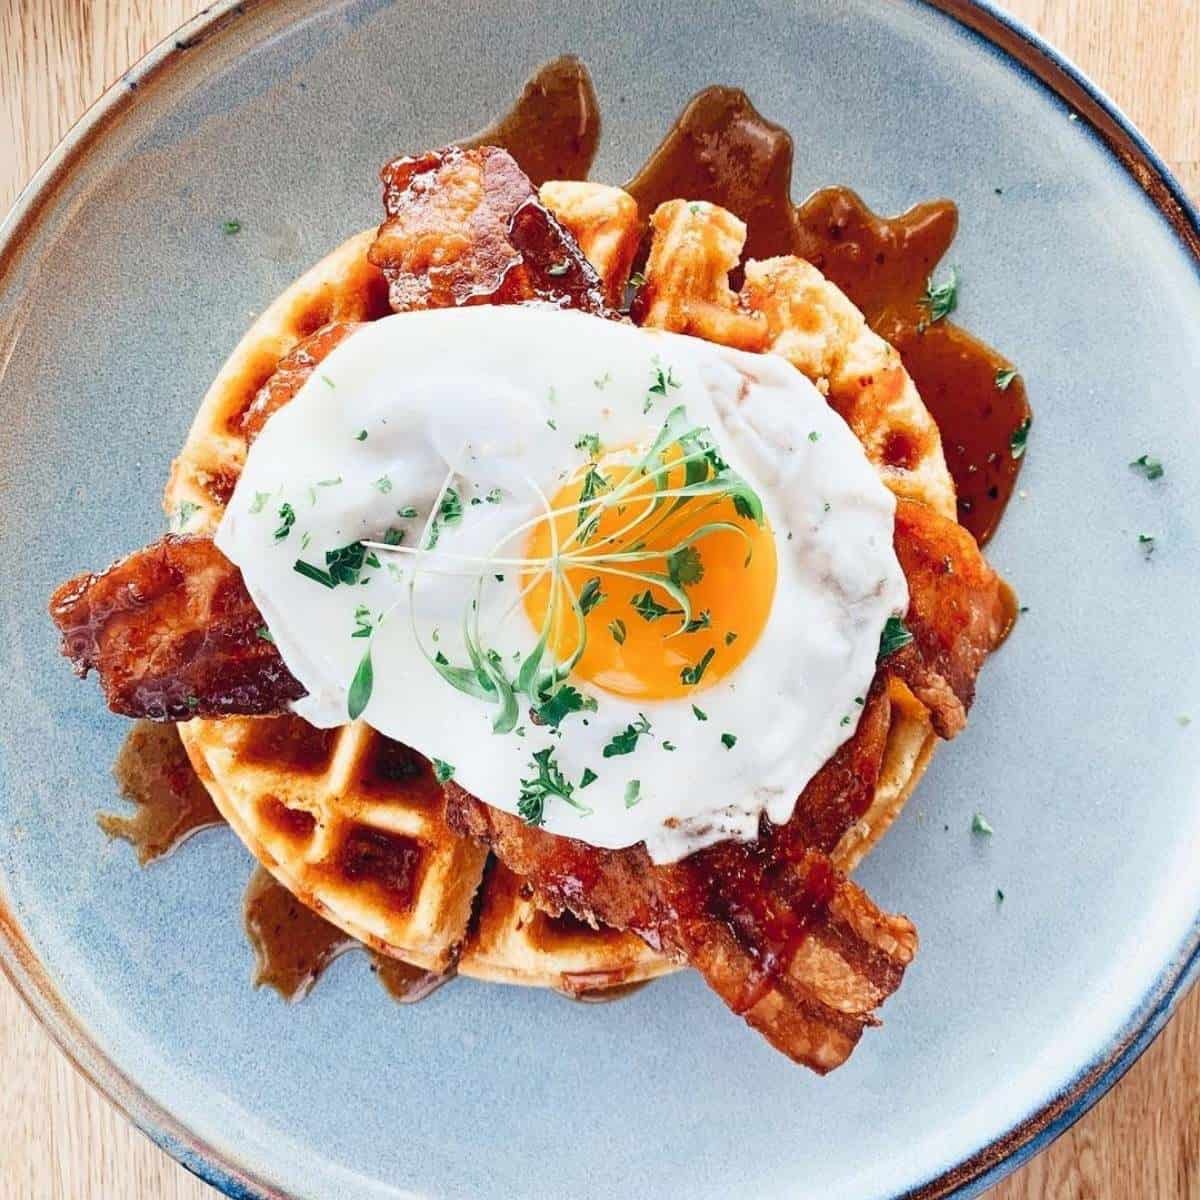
[493, 400]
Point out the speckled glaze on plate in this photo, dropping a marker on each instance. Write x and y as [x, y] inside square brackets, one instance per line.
[119, 298]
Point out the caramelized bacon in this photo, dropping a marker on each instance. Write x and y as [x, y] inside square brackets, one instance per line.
[781, 936]
[173, 634]
[292, 373]
[958, 613]
[466, 227]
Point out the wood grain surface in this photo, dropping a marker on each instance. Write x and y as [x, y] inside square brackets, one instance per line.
[59, 1140]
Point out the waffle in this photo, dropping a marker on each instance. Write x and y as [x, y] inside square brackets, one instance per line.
[352, 822]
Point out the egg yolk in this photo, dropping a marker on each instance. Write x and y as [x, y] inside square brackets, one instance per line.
[728, 576]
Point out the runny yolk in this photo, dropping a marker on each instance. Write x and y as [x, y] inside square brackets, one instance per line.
[629, 649]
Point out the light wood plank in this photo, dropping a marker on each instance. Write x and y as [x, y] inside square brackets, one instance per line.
[59, 1140]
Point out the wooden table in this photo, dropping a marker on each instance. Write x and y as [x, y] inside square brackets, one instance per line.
[60, 1139]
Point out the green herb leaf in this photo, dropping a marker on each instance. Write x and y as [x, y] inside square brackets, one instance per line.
[185, 512]
[814, 436]
[999, 896]
[979, 824]
[231, 226]
[703, 621]
[1151, 468]
[287, 518]
[443, 772]
[590, 444]
[700, 714]
[1019, 438]
[617, 629]
[730, 638]
[361, 436]
[728, 741]
[360, 687]
[1147, 543]
[626, 741]
[364, 626]
[590, 595]
[692, 675]
[895, 636]
[561, 704]
[314, 573]
[260, 501]
[407, 512]
[939, 299]
[1005, 376]
[637, 279]
[685, 567]
[633, 792]
[383, 484]
[648, 608]
[548, 784]
[450, 511]
[589, 776]
[265, 634]
[670, 746]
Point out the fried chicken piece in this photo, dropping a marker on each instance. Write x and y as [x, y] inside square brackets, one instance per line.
[466, 227]
[173, 634]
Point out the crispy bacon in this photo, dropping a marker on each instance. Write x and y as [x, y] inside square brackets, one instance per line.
[292, 373]
[466, 227]
[173, 634]
[783, 938]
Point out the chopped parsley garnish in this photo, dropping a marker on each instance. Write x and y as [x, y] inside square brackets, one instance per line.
[703, 621]
[343, 565]
[552, 423]
[561, 704]
[494, 496]
[260, 501]
[407, 512]
[383, 484]
[589, 776]
[670, 746]
[450, 510]
[360, 687]
[590, 443]
[648, 608]
[361, 436]
[663, 380]
[637, 279]
[730, 638]
[185, 512]
[1020, 436]
[700, 714]
[593, 483]
[265, 634]
[1151, 468]
[328, 382]
[364, 626]
[684, 566]
[846, 719]
[1147, 543]
[692, 675]
[549, 783]
[393, 536]
[602, 381]
[693, 209]
[979, 824]
[939, 299]
[193, 703]
[728, 740]
[287, 518]
[590, 595]
[231, 226]
[895, 636]
[558, 269]
[813, 436]
[999, 895]
[633, 792]
[617, 629]
[1005, 376]
[626, 741]
[443, 772]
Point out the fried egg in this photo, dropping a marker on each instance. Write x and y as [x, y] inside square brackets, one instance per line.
[625, 583]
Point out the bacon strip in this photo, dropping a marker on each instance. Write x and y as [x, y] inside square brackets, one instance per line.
[466, 227]
[173, 634]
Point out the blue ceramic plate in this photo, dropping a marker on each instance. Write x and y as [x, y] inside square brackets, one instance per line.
[119, 299]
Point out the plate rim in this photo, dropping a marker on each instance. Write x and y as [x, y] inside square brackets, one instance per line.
[1006, 1152]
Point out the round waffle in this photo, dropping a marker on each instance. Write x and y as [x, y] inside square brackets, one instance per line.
[352, 822]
